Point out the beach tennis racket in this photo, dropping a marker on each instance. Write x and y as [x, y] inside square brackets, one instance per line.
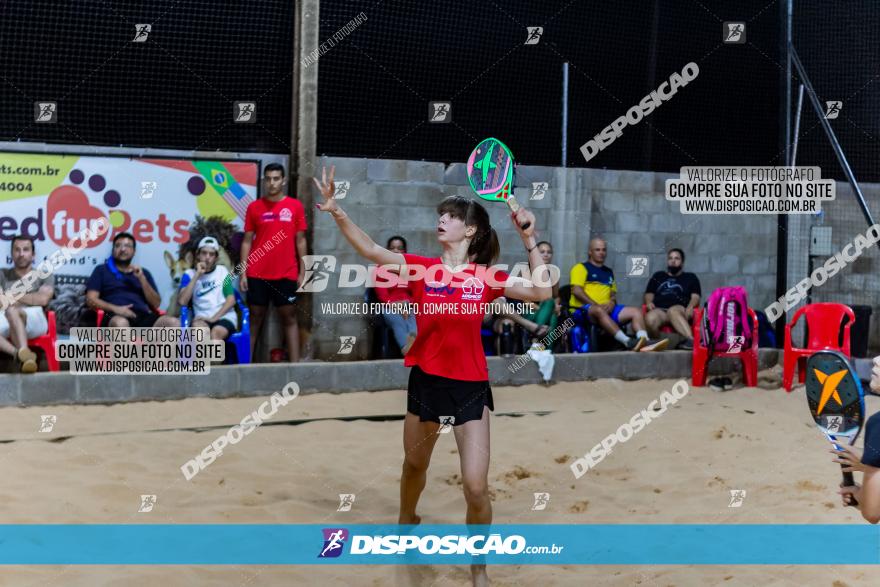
[490, 170]
[836, 400]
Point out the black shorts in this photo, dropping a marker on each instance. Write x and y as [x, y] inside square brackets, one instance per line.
[227, 324]
[281, 292]
[141, 320]
[431, 398]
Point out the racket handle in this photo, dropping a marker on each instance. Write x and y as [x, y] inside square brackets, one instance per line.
[514, 206]
[848, 481]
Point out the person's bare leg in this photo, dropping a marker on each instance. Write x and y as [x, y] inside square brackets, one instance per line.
[17, 331]
[655, 320]
[601, 317]
[219, 333]
[257, 316]
[118, 322]
[679, 321]
[498, 327]
[287, 316]
[472, 439]
[200, 323]
[7, 347]
[633, 314]
[167, 322]
[418, 444]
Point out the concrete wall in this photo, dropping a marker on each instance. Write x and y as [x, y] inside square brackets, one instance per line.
[859, 282]
[389, 197]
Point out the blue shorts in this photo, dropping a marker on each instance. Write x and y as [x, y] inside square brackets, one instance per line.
[582, 316]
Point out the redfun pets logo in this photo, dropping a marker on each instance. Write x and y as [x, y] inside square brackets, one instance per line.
[70, 210]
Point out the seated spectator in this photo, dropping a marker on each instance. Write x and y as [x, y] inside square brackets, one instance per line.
[403, 325]
[25, 318]
[547, 313]
[594, 301]
[209, 288]
[541, 319]
[124, 291]
[671, 297]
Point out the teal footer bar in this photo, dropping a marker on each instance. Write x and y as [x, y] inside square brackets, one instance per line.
[572, 544]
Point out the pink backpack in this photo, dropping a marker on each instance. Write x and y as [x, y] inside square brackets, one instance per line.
[726, 324]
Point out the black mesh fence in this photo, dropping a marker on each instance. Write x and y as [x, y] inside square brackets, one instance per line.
[173, 87]
[376, 84]
[838, 45]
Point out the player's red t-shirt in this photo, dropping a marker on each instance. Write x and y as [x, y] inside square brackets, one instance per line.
[449, 344]
[275, 226]
[382, 276]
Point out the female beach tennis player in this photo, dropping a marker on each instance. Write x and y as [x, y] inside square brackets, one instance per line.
[449, 380]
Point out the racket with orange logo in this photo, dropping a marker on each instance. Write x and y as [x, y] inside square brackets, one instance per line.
[836, 400]
[490, 170]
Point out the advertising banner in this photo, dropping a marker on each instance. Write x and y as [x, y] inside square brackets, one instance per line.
[53, 197]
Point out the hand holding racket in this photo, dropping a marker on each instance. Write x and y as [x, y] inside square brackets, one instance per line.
[490, 170]
[837, 405]
[849, 458]
[524, 222]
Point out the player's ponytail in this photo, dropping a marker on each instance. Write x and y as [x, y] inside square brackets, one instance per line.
[484, 244]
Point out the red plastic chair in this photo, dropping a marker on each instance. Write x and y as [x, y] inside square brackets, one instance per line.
[666, 328]
[749, 356]
[823, 332]
[46, 343]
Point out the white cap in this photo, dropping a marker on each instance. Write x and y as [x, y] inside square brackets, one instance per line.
[210, 242]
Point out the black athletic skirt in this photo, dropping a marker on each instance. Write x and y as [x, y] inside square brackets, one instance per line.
[432, 398]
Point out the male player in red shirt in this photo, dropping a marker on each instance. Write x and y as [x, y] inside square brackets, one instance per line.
[272, 251]
[449, 380]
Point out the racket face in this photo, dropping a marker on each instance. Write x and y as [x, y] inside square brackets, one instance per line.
[490, 170]
[835, 396]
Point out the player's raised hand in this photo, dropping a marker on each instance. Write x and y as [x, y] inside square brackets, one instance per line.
[327, 189]
[522, 217]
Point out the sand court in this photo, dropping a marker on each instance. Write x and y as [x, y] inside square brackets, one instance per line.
[97, 461]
